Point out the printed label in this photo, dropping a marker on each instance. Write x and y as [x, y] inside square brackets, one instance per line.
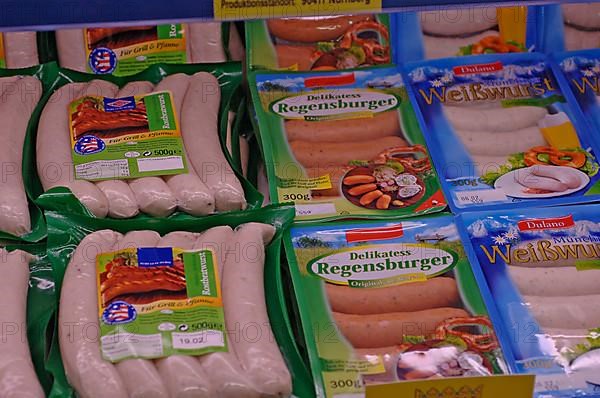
[156, 302]
[383, 265]
[479, 196]
[118, 138]
[547, 223]
[128, 50]
[2, 56]
[515, 386]
[246, 9]
[332, 105]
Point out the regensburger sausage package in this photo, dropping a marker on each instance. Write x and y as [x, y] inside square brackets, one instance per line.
[542, 270]
[344, 143]
[319, 43]
[27, 312]
[464, 30]
[127, 50]
[152, 143]
[173, 307]
[579, 70]
[382, 302]
[501, 132]
[20, 218]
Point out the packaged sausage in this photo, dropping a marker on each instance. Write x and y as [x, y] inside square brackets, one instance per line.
[319, 43]
[569, 27]
[344, 143]
[579, 70]
[502, 133]
[542, 269]
[165, 304]
[382, 302]
[445, 32]
[20, 219]
[152, 143]
[29, 305]
[127, 50]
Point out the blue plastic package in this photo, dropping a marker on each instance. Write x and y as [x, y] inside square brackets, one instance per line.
[501, 133]
[570, 26]
[541, 267]
[580, 71]
[450, 31]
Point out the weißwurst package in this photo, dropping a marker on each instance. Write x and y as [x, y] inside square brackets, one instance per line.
[344, 143]
[176, 308]
[502, 133]
[382, 302]
[541, 266]
[454, 31]
[319, 43]
[580, 70]
[570, 26]
[127, 50]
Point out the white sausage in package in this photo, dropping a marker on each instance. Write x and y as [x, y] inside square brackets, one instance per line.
[542, 267]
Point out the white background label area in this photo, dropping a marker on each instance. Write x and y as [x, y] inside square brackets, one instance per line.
[193, 341]
[122, 345]
[100, 169]
[160, 164]
[311, 210]
[479, 196]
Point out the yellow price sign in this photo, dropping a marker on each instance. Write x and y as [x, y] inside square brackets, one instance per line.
[513, 386]
[262, 9]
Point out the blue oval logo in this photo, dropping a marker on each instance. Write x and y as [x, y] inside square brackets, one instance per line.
[89, 144]
[118, 313]
[103, 60]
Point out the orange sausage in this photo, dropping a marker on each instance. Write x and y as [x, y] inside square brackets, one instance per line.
[383, 202]
[294, 56]
[358, 179]
[309, 30]
[383, 124]
[381, 330]
[327, 154]
[367, 198]
[362, 189]
[414, 296]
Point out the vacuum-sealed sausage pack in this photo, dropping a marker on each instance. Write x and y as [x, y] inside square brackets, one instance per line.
[344, 143]
[580, 71]
[176, 308]
[319, 43]
[150, 143]
[541, 267]
[501, 132]
[382, 302]
[126, 50]
[463, 30]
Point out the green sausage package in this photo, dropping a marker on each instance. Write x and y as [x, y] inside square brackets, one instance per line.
[344, 144]
[174, 306]
[319, 43]
[152, 143]
[382, 302]
[127, 50]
